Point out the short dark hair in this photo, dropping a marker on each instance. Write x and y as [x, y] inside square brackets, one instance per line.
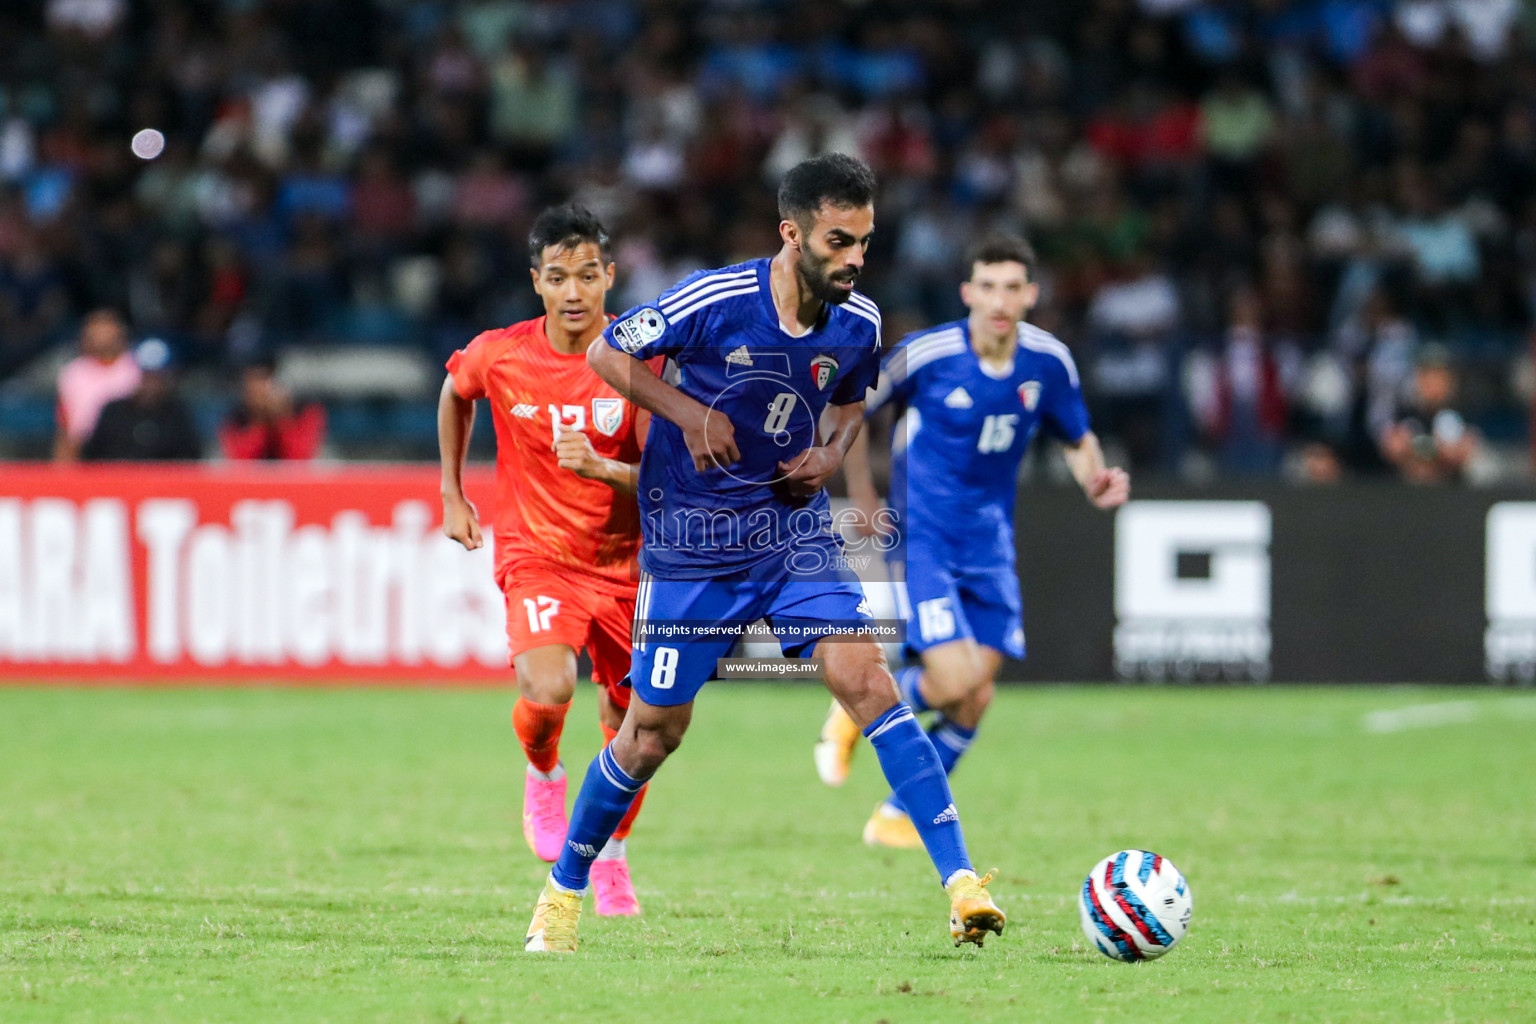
[1001, 247]
[835, 178]
[567, 226]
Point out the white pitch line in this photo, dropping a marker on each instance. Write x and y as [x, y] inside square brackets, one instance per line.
[1454, 712]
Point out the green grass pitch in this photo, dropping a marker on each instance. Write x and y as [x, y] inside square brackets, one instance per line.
[354, 855]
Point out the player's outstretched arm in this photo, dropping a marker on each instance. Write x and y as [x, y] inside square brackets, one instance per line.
[710, 437]
[860, 479]
[575, 452]
[455, 420]
[809, 471]
[1106, 486]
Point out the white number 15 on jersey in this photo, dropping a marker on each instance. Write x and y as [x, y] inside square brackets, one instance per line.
[997, 433]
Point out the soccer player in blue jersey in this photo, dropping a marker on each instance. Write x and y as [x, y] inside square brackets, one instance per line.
[969, 397]
[737, 527]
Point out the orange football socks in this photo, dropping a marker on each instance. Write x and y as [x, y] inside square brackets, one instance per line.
[538, 728]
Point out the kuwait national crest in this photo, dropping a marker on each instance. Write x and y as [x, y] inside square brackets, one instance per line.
[1029, 394]
[823, 369]
[607, 415]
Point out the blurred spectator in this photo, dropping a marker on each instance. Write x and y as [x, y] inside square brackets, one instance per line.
[1444, 252]
[1238, 122]
[487, 195]
[93, 19]
[1485, 24]
[533, 101]
[1429, 442]
[102, 372]
[267, 424]
[1380, 345]
[312, 189]
[161, 289]
[34, 298]
[383, 204]
[1392, 67]
[366, 179]
[1140, 303]
[153, 423]
[313, 287]
[1243, 408]
[1133, 318]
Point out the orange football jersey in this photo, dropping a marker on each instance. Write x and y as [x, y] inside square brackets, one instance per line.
[544, 511]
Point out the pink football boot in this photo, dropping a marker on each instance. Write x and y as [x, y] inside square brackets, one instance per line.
[544, 821]
[613, 894]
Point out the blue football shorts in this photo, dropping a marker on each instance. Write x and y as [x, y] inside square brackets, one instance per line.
[683, 627]
[943, 602]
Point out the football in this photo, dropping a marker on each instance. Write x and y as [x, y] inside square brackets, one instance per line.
[1135, 905]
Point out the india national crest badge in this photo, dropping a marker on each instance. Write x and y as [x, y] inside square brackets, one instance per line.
[823, 370]
[607, 415]
[1029, 394]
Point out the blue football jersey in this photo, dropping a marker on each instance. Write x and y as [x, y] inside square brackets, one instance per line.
[726, 349]
[962, 431]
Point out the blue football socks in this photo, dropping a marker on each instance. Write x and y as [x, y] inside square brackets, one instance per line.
[606, 793]
[918, 782]
[906, 685]
[951, 741]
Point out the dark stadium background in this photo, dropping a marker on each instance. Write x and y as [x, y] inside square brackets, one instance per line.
[1256, 221]
[255, 756]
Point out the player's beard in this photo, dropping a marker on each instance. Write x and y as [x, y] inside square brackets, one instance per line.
[812, 271]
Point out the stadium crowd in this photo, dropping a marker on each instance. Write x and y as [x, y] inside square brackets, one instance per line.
[1279, 232]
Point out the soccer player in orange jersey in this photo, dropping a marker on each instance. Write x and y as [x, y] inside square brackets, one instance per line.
[567, 528]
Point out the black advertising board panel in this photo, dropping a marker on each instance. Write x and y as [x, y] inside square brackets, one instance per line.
[1233, 584]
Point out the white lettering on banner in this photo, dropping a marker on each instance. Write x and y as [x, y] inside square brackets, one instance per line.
[258, 590]
[162, 528]
[1509, 644]
[51, 547]
[362, 572]
[1192, 590]
[210, 603]
[106, 584]
[261, 527]
[412, 519]
[65, 583]
[307, 623]
[13, 603]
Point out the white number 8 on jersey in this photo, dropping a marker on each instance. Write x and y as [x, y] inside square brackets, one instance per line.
[778, 412]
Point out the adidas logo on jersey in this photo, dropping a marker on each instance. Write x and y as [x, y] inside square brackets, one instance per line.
[741, 357]
[947, 814]
[958, 399]
[524, 412]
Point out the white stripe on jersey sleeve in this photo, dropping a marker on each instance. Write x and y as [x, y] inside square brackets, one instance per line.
[860, 297]
[949, 334]
[900, 364]
[933, 354]
[1033, 338]
[687, 293]
[924, 351]
[864, 306]
[872, 317]
[710, 300]
[642, 610]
